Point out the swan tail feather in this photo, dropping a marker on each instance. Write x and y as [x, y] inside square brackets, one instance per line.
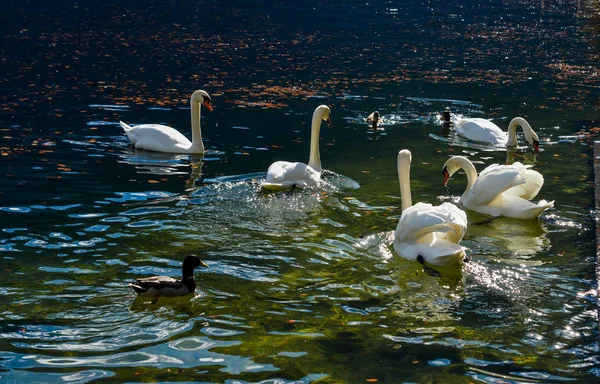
[455, 119]
[126, 127]
[541, 206]
[545, 203]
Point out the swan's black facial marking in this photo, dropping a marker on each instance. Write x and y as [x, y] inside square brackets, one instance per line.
[207, 101]
[446, 176]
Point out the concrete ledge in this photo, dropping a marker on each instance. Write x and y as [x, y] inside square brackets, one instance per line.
[597, 199]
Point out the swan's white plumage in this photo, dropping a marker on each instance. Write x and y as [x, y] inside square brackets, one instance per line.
[433, 232]
[483, 130]
[285, 174]
[156, 137]
[500, 190]
[162, 138]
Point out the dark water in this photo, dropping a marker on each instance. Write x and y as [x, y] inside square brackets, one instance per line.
[303, 286]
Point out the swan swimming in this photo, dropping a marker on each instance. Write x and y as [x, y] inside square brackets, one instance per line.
[500, 190]
[426, 232]
[162, 138]
[482, 130]
[285, 174]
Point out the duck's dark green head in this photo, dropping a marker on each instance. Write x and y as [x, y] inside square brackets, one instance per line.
[193, 261]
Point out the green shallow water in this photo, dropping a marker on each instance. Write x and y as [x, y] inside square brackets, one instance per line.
[302, 286]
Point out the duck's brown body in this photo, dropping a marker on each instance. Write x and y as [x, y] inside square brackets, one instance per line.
[165, 286]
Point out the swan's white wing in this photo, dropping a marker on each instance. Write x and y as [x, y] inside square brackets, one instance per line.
[432, 232]
[278, 170]
[156, 137]
[533, 182]
[423, 218]
[519, 208]
[491, 183]
[283, 174]
[477, 129]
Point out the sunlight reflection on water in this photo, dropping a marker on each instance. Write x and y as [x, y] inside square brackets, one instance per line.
[302, 286]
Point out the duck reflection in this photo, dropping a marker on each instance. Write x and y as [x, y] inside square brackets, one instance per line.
[184, 304]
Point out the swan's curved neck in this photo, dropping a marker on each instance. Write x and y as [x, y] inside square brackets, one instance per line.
[471, 172]
[196, 132]
[512, 131]
[404, 179]
[314, 161]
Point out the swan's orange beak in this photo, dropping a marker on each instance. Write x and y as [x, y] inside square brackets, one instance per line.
[536, 146]
[328, 121]
[208, 105]
[446, 177]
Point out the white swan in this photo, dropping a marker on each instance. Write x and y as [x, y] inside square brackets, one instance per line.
[482, 130]
[162, 138]
[426, 232]
[284, 174]
[500, 190]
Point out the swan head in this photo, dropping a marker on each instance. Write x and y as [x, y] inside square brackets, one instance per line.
[203, 98]
[404, 157]
[325, 113]
[536, 145]
[530, 135]
[451, 166]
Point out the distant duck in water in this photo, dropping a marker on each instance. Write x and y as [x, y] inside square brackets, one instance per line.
[373, 118]
[165, 286]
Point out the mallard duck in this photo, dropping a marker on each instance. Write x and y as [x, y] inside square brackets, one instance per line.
[373, 118]
[167, 286]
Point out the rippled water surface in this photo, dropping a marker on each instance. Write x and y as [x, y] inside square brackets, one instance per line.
[302, 286]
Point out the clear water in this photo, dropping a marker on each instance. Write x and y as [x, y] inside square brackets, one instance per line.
[302, 286]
